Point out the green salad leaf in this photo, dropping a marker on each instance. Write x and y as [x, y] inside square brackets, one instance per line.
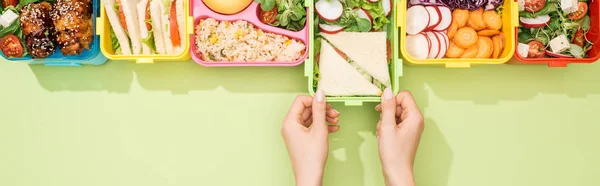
[14, 29]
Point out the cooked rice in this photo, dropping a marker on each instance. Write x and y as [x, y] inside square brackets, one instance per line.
[240, 41]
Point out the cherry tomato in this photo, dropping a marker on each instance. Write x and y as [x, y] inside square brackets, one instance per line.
[268, 17]
[582, 9]
[534, 5]
[536, 49]
[578, 38]
[6, 3]
[11, 46]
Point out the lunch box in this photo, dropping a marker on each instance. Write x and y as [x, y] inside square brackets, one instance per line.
[510, 23]
[87, 57]
[200, 12]
[104, 28]
[395, 66]
[593, 35]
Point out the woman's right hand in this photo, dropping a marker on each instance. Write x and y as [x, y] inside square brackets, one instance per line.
[398, 134]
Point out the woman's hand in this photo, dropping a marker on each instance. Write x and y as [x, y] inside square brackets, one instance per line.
[305, 132]
[398, 134]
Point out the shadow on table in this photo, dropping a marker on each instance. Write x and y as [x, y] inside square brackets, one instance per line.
[434, 157]
[177, 77]
[114, 77]
[490, 84]
[183, 77]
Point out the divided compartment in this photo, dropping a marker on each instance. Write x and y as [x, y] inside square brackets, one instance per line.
[200, 12]
[103, 29]
[91, 56]
[395, 66]
[510, 21]
[593, 35]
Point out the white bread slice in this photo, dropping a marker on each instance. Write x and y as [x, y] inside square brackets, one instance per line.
[181, 23]
[133, 28]
[156, 15]
[141, 9]
[113, 18]
[166, 30]
[367, 49]
[339, 78]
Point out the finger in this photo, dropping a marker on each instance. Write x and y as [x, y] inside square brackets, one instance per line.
[388, 108]
[378, 128]
[307, 113]
[333, 113]
[406, 101]
[319, 113]
[308, 122]
[300, 103]
[378, 108]
[333, 128]
[333, 121]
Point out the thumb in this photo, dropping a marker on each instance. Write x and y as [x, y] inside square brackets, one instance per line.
[388, 108]
[319, 113]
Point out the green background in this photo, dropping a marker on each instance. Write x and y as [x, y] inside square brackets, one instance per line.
[180, 124]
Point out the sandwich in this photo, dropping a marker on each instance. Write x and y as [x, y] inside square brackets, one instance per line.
[150, 26]
[363, 69]
[367, 49]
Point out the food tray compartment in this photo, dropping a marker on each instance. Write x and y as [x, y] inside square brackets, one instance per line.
[395, 65]
[91, 56]
[593, 35]
[104, 27]
[510, 20]
[200, 12]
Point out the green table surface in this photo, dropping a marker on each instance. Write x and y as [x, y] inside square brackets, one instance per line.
[180, 124]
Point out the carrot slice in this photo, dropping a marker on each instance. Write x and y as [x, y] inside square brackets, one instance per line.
[174, 27]
[471, 52]
[503, 39]
[488, 33]
[497, 46]
[476, 20]
[452, 29]
[465, 37]
[454, 51]
[122, 16]
[492, 20]
[485, 47]
[461, 16]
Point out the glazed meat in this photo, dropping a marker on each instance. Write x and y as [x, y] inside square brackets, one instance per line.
[73, 25]
[38, 30]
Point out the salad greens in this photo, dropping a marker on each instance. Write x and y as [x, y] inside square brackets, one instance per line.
[291, 14]
[353, 23]
[559, 24]
[14, 29]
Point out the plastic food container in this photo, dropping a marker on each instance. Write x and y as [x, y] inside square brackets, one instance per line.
[87, 57]
[104, 27]
[395, 66]
[200, 12]
[510, 22]
[593, 35]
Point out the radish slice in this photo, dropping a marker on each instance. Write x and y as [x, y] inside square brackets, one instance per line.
[387, 7]
[418, 46]
[434, 51]
[329, 10]
[445, 43]
[539, 21]
[446, 20]
[330, 29]
[372, 1]
[428, 41]
[362, 13]
[434, 17]
[417, 19]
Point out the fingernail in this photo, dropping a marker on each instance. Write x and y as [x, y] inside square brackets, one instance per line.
[319, 96]
[387, 94]
[336, 112]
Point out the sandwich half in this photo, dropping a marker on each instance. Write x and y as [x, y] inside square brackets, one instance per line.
[128, 13]
[339, 78]
[117, 28]
[174, 29]
[367, 49]
[156, 12]
[143, 10]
